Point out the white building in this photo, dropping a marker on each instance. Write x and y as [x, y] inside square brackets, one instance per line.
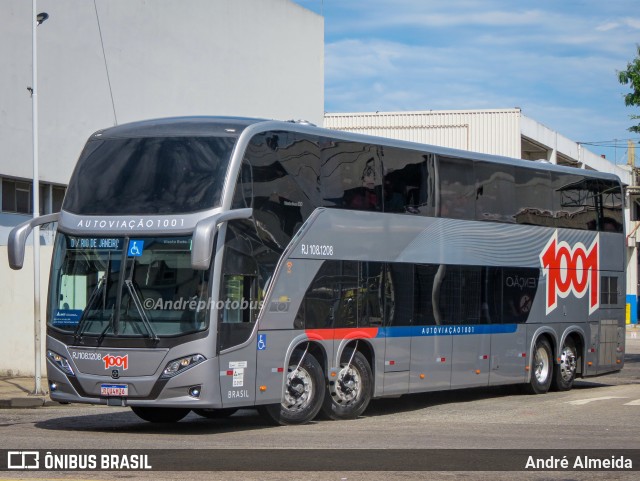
[114, 61]
[117, 61]
[500, 132]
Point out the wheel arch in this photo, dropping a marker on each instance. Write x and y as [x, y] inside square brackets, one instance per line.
[364, 347]
[551, 337]
[315, 347]
[578, 336]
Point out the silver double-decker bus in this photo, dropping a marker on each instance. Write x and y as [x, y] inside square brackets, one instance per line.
[209, 264]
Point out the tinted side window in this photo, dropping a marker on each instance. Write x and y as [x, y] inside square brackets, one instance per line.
[495, 194]
[448, 294]
[491, 297]
[347, 296]
[317, 308]
[372, 299]
[457, 188]
[610, 216]
[517, 290]
[399, 294]
[280, 177]
[351, 175]
[357, 294]
[574, 202]
[534, 199]
[423, 294]
[459, 295]
[332, 298]
[409, 181]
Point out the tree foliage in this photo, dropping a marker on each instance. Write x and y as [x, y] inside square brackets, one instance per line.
[631, 76]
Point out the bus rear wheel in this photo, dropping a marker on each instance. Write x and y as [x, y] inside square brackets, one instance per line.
[541, 368]
[303, 392]
[349, 394]
[565, 370]
[160, 415]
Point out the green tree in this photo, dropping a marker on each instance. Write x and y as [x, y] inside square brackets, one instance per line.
[632, 76]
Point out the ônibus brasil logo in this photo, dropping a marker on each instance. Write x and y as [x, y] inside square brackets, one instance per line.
[571, 270]
[116, 361]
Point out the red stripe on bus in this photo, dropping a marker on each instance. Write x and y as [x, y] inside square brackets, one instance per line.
[342, 333]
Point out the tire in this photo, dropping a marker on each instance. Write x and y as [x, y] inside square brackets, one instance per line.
[565, 371]
[160, 415]
[348, 396]
[303, 392]
[541, 368]
[215, 413]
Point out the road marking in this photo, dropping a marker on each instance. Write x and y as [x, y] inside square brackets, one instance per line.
[633, 403]
[582, 402]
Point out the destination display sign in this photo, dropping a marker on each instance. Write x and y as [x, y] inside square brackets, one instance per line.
[102, 243]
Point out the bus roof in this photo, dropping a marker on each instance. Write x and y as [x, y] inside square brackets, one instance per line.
[234, 126]
[179, 127]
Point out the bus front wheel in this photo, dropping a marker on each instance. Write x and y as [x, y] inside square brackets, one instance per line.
[541, 368]
[160, 415]
[303, 392]
[349, 394]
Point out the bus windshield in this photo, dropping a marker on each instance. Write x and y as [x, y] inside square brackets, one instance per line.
[143, 287]
[149, 175]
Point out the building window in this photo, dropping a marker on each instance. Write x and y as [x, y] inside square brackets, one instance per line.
[8, 196]
[17, 197]
[57, 196]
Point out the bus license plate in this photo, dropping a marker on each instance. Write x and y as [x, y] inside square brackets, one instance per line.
[114, 390]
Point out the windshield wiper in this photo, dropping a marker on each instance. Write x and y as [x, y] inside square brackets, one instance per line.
[138, 303]
[77, 334]
[104, 331]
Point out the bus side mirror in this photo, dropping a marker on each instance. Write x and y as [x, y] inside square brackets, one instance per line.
[205, 233]
[18, 238]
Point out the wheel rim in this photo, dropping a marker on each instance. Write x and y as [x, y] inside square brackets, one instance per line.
[348, 385]
[567, 363]
[298, 391]
[541, 365]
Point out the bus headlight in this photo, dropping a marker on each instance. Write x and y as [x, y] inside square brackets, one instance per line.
[180, 365]
[60, 362]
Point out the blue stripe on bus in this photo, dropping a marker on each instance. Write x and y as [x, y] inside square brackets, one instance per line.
[463, 330]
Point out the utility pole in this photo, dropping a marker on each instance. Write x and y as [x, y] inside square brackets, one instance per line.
[36, 19]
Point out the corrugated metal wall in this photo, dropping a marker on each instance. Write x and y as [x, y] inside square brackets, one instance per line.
[488, 131]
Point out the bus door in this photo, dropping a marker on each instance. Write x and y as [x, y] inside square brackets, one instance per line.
[237, 313]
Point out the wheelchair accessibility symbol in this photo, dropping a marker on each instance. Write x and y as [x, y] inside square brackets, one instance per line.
[262, 342]
[135, 248]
